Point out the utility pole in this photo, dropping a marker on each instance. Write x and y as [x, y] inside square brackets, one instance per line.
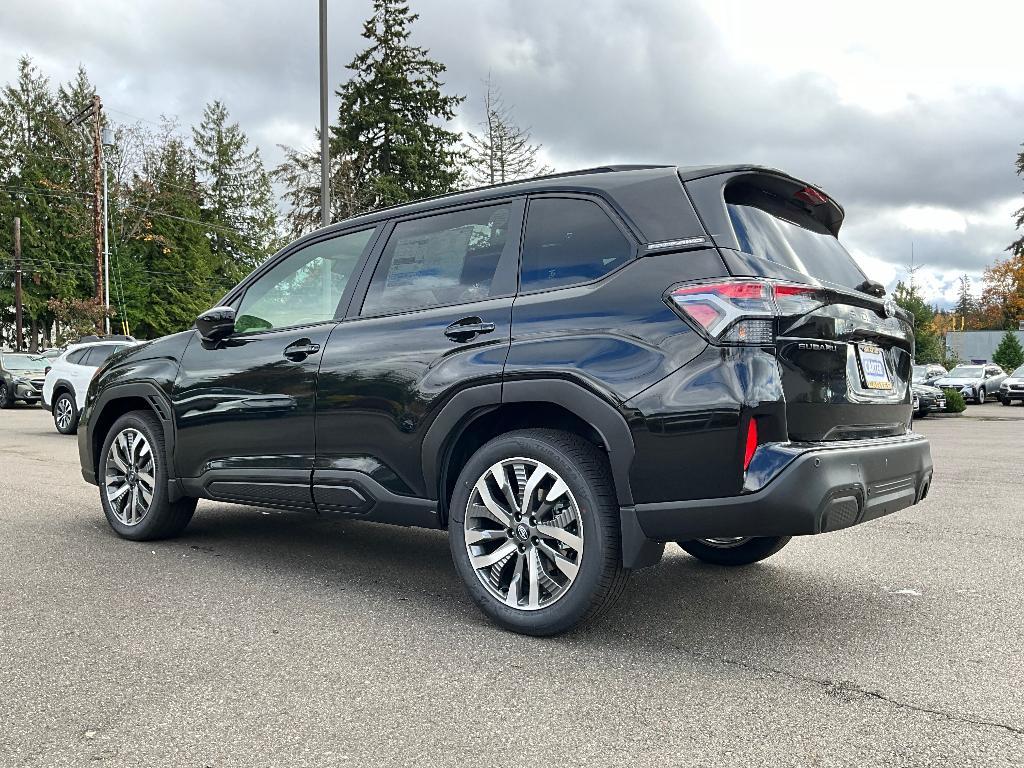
[107, 141]
[325, 160]
[97, 198]
[17, 284]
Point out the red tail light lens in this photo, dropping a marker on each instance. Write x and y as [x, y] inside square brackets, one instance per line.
[751, 444]
[743, 310]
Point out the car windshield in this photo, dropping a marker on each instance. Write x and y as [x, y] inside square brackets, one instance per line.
[967, 372]
[1019, 373]
[920, 372]
[18, 362]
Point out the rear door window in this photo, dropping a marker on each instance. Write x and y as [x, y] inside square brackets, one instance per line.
[99, 354]
[448, 258]
[569, 241]
[78, 356]
[783, 231]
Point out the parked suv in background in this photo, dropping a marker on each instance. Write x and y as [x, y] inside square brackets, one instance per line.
[68, 376]
[565, 373]
[21, 378]
[976, 382]
[1012, 387]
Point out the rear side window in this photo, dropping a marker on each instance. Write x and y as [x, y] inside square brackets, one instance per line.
[99, 354]
[450, 258]
[78, 356]
[569, 241]
[783, 231]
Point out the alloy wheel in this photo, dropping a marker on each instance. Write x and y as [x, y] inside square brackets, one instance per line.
[524, 533]
[130, 476]
[63, 413]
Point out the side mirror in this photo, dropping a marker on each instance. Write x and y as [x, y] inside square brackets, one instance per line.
[216, 324]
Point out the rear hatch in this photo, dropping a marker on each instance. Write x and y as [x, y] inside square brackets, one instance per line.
[844, 352]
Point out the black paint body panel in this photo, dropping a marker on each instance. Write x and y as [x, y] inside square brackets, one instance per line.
[364, 427]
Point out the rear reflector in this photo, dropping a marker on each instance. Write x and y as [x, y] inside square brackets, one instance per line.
[751, 445]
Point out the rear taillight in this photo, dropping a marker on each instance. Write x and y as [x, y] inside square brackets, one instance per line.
[742, 311]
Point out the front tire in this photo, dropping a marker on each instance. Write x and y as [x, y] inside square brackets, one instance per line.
[534, 531]
[65, 414]
[979, 398]
[736, 550]
[6, 400]
[133, 481]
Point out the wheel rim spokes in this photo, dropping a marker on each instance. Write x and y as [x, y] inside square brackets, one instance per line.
[524, 533]
[63, 413]
[130, 477]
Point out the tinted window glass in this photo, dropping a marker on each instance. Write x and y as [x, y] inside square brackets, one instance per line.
[446, 259]
[569, 241]
[99, 354]
[771, 228]
[78, 356]
[304, 288]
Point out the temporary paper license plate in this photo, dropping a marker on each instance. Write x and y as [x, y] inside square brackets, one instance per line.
[872, 365]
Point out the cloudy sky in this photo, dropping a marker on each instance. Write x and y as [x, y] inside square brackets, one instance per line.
[910, 113]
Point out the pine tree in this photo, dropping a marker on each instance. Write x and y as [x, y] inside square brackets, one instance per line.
[237, 198]
[388, 121]
[299, 174]
[39, 185]
[171, 277]
[927, 345]
[1009, 354]
[502, 151]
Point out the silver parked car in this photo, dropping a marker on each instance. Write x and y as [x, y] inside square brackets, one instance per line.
[976, 382]
[1012, 387]
[928, 373]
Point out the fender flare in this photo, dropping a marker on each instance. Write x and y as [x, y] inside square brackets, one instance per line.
[158, 402]
[471, 403]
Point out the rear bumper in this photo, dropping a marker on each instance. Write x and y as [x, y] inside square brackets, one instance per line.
[804, 488]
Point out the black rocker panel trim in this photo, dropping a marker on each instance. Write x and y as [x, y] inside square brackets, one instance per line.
[354, 494]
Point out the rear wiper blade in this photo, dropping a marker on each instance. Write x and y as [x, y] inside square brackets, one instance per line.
[872, 288]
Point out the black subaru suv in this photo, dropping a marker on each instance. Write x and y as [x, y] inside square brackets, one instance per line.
[565, 373]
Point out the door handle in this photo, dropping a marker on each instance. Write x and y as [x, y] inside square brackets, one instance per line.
[301, 349]
[467, 328]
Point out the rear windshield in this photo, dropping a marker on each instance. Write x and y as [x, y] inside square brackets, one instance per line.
[779, 230]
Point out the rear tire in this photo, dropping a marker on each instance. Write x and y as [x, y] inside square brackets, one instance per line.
[137, 469]
[562, 554]
[735, 551]
[65, 414]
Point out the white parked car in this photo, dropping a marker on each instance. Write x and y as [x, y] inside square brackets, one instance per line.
[68, 376]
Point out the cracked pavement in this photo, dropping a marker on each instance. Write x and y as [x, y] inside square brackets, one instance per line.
[276, 639]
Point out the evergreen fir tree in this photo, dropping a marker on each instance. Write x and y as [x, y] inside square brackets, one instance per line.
[390, 122]
[237, 198]
[927, 344]
[1009, 354]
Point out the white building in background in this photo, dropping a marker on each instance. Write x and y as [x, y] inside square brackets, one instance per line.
[976, 346]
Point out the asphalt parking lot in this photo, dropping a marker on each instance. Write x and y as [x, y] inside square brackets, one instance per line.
[267, 639]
